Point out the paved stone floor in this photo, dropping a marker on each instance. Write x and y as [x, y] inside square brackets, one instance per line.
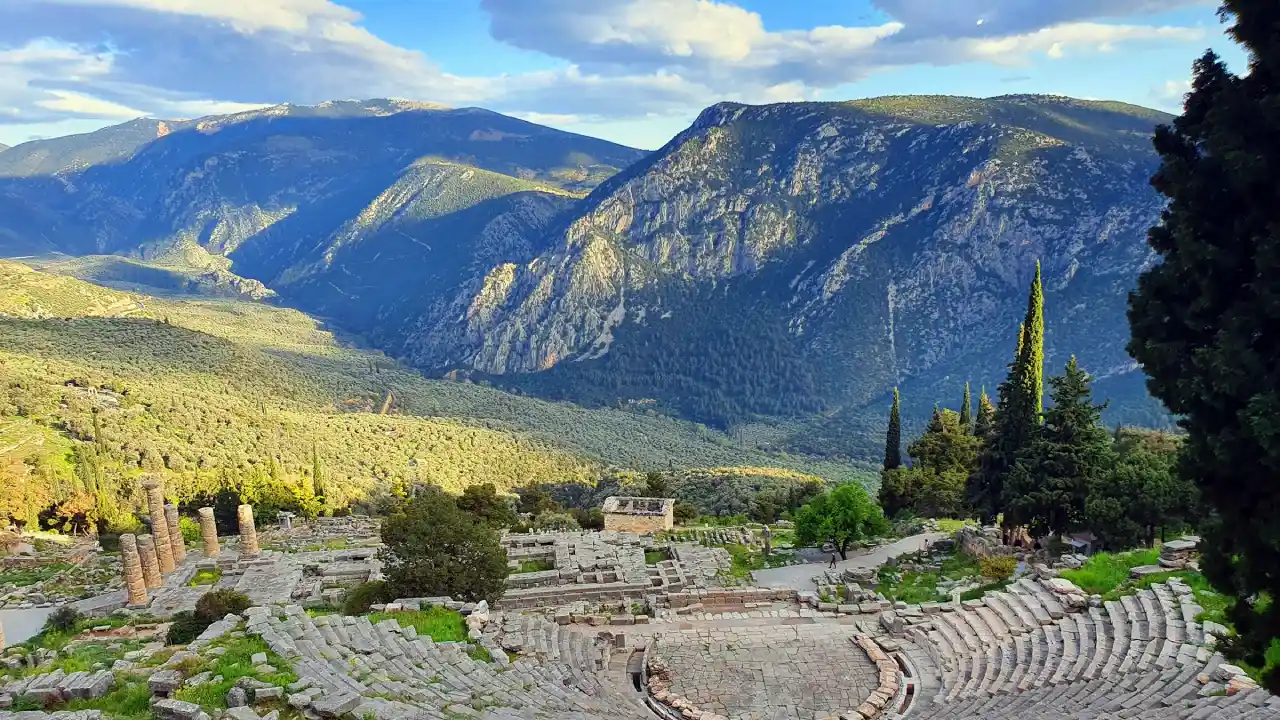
[794, 672]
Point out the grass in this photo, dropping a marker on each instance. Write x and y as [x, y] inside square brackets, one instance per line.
[206, 577]
[23, 577]
[535, 565]
[440, 624]
[128, 700]
[83, 657]
[950, 525]
[653, 557]
[744, 560]
[236, 663]
[1104, 572]
[922, 587]
[981, 590]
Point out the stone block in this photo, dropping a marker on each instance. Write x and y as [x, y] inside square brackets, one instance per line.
[240, 713]
[237, 697]
[170, 709]
[164, 683]
[336, 705]
[268, 693]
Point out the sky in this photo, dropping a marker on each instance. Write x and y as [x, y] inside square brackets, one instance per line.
[631, 71]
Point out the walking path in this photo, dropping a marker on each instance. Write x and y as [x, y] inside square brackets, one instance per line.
[800, 577]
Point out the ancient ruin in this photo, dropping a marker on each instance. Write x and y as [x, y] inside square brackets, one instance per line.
[209, 532]
[248, 533]
[638, 514]
[151, 574]
[177, 545]
[135, 583]
[159, 526]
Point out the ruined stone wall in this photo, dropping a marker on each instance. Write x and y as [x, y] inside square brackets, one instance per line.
[640, 524]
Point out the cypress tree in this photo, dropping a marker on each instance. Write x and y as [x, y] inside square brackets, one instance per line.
[966, 409]
[986, 417]
[1031, 351]
[1203, 319]
[893, 437]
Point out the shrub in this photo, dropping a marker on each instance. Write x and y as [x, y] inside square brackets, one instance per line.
[189, 528]
[363, 596]
[588, 519]
[65, 619]
[184, 627]
[998, 567]
[685, 512]
[213, 606]
[557, 521]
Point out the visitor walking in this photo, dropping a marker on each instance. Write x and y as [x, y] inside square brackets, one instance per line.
[833, 561]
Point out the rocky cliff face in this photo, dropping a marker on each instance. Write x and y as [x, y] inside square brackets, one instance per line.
[890, 242]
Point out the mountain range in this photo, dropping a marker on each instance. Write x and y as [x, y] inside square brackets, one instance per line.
[773, 269]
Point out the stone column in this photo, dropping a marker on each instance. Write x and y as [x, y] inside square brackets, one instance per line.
[159, 528]
[177, 545]
[150, 563]
[209, 532]
[248, 533]
[133, 580]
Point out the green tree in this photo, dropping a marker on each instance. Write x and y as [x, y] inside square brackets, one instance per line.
[1142, 494]
[431, 548]
[986, 417]
[899, 491]
[966, 409]
[656, 485]
[1204, 319]
[317, 474]
[945, 444]
[484, 502]
[893, 437]
[1049, 484]
[840, 516]
[552, 521]
[1017, 418]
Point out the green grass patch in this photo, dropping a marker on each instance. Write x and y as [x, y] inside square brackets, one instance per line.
[441, 624]
[950, 525]
[653, 557]
[921, 587]
[745, 560]
[1104, 572]
[479, 654]
[981, 590]
[128, 700]
[535, 565]
[232, 665]
[205, 577]
[23, 577]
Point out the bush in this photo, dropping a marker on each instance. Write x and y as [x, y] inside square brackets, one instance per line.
[190, 529]
[685, 512]
[213, 606]
[184, 627]
[363, 596]
[998, 567]
[548, 520]
[588, 519]
[432, 549]
[65, 619]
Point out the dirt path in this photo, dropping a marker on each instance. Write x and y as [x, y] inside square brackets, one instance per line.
[801, 576]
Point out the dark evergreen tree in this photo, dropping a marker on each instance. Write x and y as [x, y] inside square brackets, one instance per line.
[966, 409]
[1048, 486]
[893, 437]
[1018, 415]
[1206, 319]
[985, 420]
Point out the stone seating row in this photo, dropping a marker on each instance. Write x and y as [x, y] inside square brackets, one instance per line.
[350, 667]
[1156, 694]
[1014, 641]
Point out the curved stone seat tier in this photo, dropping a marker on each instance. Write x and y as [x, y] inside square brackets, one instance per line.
[353, 668]
[1031, 652]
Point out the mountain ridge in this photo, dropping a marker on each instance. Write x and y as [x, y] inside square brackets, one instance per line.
[785, 263]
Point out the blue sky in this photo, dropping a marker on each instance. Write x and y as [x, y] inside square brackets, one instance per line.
[632, 71]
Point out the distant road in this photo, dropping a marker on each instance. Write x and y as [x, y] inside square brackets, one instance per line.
[800, 577]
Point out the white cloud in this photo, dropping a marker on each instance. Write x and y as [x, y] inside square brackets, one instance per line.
[641, 59]
[74, 103]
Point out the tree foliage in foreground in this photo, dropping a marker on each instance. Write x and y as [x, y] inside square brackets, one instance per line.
[432, 549]
[1206, 319]
[840, 516]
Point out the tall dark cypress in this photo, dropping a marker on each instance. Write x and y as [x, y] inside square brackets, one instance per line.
[986, 418]
[893, 438]
[966, 409]
[1204, 318]
[1032, 352]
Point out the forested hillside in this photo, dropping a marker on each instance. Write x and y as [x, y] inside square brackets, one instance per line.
[100, 386]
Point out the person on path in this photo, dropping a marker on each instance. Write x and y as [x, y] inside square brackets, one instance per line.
[833, 561]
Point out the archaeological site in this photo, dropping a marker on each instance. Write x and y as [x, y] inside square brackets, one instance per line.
[628, 623]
